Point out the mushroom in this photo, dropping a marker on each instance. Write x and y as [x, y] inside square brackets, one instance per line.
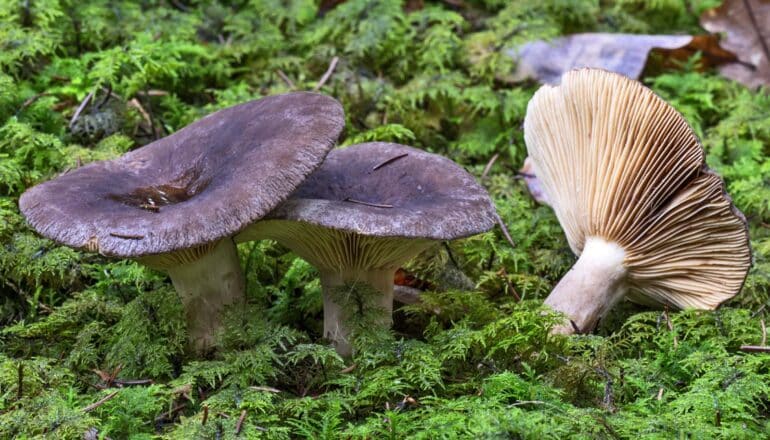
[368, 209]
[627, 179]
[174, 204]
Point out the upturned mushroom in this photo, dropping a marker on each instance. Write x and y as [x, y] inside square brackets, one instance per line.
[627, 179]
[174, 204]
[368, 209]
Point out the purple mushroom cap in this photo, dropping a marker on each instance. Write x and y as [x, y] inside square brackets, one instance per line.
[204, 182]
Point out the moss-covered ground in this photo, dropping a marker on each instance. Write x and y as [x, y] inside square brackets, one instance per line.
[95, 348]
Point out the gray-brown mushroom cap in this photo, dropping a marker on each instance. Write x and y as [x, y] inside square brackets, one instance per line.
[204, 182]
[390, 190]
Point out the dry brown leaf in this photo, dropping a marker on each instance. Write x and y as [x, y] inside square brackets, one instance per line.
[746, 28]
[626, 54]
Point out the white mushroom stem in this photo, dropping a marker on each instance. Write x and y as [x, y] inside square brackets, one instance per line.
[206, 286]
[339, 304]
[591, 288]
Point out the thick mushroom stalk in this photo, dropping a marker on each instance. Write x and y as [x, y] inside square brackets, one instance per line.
[345, 261]
[591, 287]
[207, 279]
[363, 213]
[627, 179]
[176, 203]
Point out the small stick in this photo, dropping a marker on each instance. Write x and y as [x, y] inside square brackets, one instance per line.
[31, 101]
[504, 274]
[347, 370]
[759, 310]
[389, 161]
[135, 382]
[168, 414]
[285, 78]
[205, 415]
[488, 167]
[100, 402]
[106, 96]
[137, 105]
[527, 402]
[764, 331]
[126, 236]
[80, 108]
[670, 326]
[239, 425]
[755, 349]
[326, 75]
[20, 386]
[152, 92]
[376, 205]
[268, 389]
[504, 229]
[660, 394]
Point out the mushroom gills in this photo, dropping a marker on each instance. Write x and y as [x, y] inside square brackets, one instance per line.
[592, 286]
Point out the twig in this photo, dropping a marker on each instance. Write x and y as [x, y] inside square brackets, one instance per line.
[152, 92]
[136, 382]
[106, 97]
[285, 78]
[268, 389]
[347, 370]
[20, 384]
[504, 274]
[126, 236]
[137, 105]
[759, 310]
[31, 101]
[670, 326]
[205, 415]
[155, 132]
[451, 256]
[488, 166]
[170, 413]
[239, 425]
[326, 75]
[527, 402]
[100, 402]
[504, 229]
[755, 348]
[764, 331]
[388, 162]
[180, 6]
[360, 202]
[80, 108]
[660, 394]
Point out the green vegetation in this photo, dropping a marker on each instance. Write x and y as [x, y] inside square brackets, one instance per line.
[463, 364]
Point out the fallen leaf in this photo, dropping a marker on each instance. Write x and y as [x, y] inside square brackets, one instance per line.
[404, 278]
[535, 188]
[746, 28]
[626, 54]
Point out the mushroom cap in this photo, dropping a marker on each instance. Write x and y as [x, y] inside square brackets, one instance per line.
[617, 162]
[374, 206]
[204, 182]
[390, 190]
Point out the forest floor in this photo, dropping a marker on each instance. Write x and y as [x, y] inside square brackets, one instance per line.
[95, 348]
